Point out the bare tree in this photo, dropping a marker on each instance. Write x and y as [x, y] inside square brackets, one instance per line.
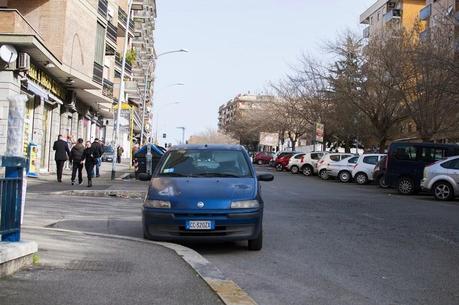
[211, 136]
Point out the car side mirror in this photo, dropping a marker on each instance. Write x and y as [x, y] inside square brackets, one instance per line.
[265, 177]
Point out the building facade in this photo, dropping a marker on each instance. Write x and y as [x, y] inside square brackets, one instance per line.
[69, 68]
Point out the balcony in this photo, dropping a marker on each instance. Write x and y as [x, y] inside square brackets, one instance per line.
[426, 12]
[102, 8]
[122, 17]
[98, 72]
[366, 32]
[12, 22]
[111, 32]
[107, 89]
[393, 15]
[118, 61]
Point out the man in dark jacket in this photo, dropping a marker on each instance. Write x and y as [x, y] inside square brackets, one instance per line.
[76, 155]
[62, 153]
[89, 159]
[98, 151]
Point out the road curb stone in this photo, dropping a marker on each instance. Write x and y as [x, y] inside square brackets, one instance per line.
[227, 290]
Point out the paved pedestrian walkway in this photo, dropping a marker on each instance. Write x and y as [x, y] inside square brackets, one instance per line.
[76, 268]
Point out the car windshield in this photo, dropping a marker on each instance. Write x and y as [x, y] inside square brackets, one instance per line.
[108, 149]
[205, 163]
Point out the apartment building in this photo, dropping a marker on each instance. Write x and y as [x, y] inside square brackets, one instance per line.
[390, 13]
[442, 12]
[239, 107]
[69, 68]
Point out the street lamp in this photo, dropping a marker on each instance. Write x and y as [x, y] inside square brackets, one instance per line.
[173, 51]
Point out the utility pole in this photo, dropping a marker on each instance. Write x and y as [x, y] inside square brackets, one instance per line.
[122, 85]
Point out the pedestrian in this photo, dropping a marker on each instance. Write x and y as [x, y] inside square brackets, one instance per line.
[89, 160]
[76, 156]
[119, 153]
[61, 155]
[98, 151]
[135, 148]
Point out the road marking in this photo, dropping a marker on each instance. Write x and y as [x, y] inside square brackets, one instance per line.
[227, 290]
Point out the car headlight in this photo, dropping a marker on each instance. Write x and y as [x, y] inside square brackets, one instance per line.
[245, 204]
[157, 204]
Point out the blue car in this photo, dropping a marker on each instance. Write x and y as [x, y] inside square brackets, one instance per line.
[205, 193]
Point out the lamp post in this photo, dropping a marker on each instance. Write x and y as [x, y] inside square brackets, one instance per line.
[173, 51]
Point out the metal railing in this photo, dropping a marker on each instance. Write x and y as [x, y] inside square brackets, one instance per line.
[98, 73]
[111, 32]
[122, 17]
[102, 8]
[11, 195]
[107, 89]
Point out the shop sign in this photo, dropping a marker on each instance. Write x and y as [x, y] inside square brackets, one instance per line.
[46, 81]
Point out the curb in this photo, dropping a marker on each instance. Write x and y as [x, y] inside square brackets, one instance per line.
[227, 290]
[100, 193]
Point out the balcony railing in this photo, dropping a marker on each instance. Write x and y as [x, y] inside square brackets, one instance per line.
[118, 61]
[98, 72]
[394, 14]
[122, 17]
[107, 89]
[128, 68]
[426, 12]
[111, 32]
[103, 8]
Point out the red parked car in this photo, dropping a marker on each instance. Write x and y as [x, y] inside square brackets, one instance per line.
[262, 157]
[282, 160]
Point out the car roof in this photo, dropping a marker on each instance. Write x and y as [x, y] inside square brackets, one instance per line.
[208, 147]
[423, 144]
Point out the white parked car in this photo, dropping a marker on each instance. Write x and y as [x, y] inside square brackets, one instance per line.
[365, 167]
[342, 169]
[328, 159]
[442, 178]
[306, 163]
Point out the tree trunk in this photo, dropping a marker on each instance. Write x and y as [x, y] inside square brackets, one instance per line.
[382, 145]
[293, 144]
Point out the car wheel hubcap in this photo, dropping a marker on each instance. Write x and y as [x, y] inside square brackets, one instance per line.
[260, 162]
[294, 170]
[405, 186]
[361, 179]
[442, 191]
[307, 171]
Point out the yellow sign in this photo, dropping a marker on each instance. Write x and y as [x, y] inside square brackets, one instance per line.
[46, 81]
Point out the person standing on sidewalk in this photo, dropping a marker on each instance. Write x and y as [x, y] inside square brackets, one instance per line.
[76, 156]
[62, 154]
[119, 153]
[98, 151]
[89, 160]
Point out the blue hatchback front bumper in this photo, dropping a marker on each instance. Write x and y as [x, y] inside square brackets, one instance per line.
[168, 225]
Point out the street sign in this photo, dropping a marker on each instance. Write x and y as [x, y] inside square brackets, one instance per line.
[164, 136]
[319, 133]
[269, 139]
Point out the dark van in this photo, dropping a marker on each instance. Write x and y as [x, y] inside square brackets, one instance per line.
[406, 161]
[155, 152]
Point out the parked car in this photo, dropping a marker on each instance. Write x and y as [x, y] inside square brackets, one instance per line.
[205, 193]
[307, 164]
[108, 155]
[362, 172]
[140, 160]
[294, 163]
[406, 161]
[272, 162]
[442, 179]
[327, 159]
[379, 173]
[262, 157]
[342, 169]
[283, 159]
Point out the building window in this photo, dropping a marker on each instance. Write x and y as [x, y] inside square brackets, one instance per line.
[100, 44]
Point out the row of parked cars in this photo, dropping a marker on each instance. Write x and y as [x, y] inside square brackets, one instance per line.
[407, 167]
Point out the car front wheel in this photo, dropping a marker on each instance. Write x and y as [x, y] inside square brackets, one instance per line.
[294, 169]
[307, 170]
[257, 243]
[323, 174]
[361, 178]
[260, 162]
[382, 182]
[443, 191]
[406, 186]
[344, 176]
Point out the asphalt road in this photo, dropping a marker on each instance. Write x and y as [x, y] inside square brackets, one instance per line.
[324, 243]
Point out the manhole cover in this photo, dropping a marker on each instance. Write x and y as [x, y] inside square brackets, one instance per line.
[107, 266]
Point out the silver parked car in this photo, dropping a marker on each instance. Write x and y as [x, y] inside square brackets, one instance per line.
[442, 178]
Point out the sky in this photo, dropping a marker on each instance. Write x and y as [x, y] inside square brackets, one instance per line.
[235, 46]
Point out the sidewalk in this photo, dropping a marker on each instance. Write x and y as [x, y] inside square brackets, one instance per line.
[47, 182]
[77, 268]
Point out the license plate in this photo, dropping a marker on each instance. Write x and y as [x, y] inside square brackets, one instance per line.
[200, 225]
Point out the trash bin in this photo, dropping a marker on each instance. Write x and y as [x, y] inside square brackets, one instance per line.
[148, 154]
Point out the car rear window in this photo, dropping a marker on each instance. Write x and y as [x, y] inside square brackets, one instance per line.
[353, 160]
[370, 160]
[406, 153]
[452, 164]
[316, 156]
[299, 156]
[335, 157]
[205, 163]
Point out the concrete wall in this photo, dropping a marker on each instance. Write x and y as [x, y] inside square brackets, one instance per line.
[9, 85]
